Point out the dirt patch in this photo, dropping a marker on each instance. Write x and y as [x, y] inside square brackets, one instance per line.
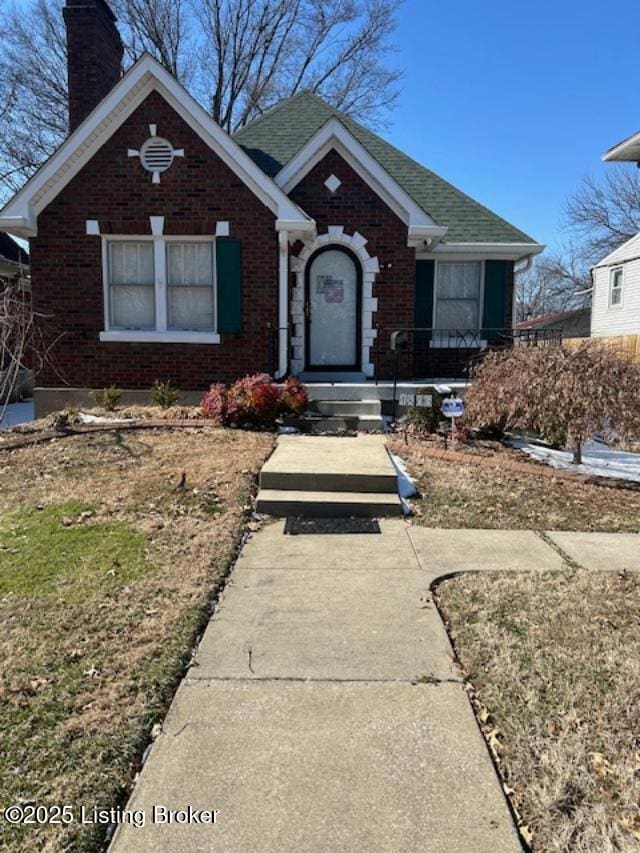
[553, 667]
[112, 545]
[468, 495]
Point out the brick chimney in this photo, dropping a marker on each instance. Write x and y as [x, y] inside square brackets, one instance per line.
[94, 55]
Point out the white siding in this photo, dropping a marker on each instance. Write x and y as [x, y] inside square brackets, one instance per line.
[622, 319]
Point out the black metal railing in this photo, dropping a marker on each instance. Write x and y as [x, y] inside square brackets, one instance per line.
[429, 353]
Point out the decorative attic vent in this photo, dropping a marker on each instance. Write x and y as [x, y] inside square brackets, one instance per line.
[157, 154]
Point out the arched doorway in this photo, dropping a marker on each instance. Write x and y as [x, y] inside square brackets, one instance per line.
[333, 310]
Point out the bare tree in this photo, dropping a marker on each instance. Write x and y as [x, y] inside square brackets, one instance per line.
[600, 216]
[564, 395]
[237, 57]
[26, 340]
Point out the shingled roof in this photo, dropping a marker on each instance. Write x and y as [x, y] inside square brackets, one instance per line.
[274, 138]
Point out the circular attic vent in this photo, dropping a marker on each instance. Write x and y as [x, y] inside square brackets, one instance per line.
[156, 155]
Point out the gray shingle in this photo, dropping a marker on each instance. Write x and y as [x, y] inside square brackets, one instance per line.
[274, 138]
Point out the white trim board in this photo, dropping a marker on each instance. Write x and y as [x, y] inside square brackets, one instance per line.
[482, 251]
[19, 216]
[333, 135]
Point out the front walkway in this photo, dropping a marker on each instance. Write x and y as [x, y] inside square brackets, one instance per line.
[324, 710]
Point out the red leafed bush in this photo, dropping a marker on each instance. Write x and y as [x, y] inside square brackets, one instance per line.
[293, 397]
[254, 401]
[214, 403]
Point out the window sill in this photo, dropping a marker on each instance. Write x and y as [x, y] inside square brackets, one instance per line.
[133, 336]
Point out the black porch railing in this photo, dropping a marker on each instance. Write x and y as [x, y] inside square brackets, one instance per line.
[446, 354]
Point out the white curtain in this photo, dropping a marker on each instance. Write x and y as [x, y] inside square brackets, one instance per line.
[131, 285]
[190, 291]
[458, 296]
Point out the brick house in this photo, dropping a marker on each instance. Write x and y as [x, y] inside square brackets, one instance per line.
[164, 248]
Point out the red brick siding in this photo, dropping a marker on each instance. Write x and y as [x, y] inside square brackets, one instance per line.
[358, 208]
[194, 193]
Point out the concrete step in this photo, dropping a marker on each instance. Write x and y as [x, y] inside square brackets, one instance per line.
[331, 377]
[347, 407]
[341, 423]
[329, 481]
[314, 463]
[322, 504]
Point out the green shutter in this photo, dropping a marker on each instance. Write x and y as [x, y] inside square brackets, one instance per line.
[423, 300]
[229, 281]
[496, 282]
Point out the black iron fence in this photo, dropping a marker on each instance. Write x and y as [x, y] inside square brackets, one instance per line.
[428, 353]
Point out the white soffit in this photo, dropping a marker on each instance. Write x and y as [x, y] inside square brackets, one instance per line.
[497, 251]
[19, 216]
[334, 135]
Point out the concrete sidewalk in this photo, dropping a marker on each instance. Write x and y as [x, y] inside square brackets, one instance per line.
[324, 710]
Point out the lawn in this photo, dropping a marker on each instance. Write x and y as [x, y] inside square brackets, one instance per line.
[111, 548]
[553, 664]
[468, 495]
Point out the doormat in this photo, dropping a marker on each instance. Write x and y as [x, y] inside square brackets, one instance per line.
[331, 526]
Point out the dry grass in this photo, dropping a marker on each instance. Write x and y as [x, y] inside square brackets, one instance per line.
[109, 557]
[555, 660]
[455, 495]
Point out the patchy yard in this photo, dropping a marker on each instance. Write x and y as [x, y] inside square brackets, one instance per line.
[461, 495]
[553, 663]
[111, 547]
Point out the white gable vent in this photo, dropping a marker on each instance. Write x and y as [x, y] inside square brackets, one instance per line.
[157, 154]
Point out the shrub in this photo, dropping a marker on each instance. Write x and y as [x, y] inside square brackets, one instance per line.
[109, 398]
[557, 392]
[214, 403]
[294, 399]
[254, 401]
[163, 394]
[426, 419]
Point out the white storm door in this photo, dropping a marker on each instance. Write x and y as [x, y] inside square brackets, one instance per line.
[333, 310]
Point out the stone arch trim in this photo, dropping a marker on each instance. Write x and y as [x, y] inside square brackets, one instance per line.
[335, 236]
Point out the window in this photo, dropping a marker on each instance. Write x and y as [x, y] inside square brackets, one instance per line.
[615, 288]
[190, 303]
[160, 289]
[458, 296]
[132, 285]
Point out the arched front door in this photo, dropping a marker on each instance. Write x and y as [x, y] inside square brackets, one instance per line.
[332, 308]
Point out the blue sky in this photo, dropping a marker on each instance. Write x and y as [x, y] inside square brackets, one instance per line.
[514, 102]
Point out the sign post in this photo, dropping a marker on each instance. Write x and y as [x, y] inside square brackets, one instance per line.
[452, 407]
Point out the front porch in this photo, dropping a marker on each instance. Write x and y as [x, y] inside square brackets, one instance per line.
[409, 359]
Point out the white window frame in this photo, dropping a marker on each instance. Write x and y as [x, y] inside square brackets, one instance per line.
[441, 342]
[161, 334]
[612, 275]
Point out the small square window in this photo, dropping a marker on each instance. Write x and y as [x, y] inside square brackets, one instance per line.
[615, 288]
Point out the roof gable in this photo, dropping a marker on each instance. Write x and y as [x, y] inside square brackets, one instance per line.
[276, 137]
[333, 135]
[19, 216]
[629, 250]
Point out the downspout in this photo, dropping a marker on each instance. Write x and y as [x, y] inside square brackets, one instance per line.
[283, 304]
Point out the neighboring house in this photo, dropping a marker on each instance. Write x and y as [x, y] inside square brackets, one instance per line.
[616, 278]
[14, 262]
[568, 324]
[616, 292]
[166, 248]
